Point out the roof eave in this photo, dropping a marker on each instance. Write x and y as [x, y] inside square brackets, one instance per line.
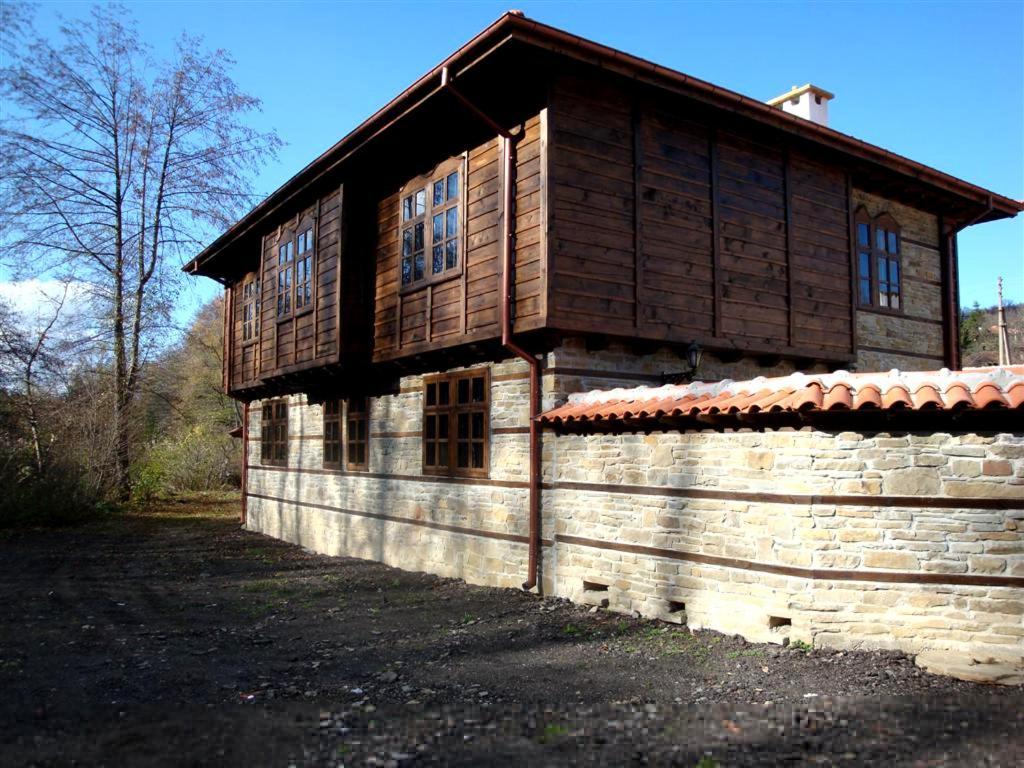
[512, 24]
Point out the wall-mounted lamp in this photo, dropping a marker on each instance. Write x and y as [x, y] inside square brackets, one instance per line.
[694, 355]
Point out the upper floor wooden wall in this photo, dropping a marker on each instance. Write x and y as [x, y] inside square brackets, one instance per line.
[666, 226]
[466, 307]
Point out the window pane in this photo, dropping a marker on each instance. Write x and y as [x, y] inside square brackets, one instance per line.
[863, 234]
[438, 192]
[865, 265]
[894, 274]
[478, 425]
[865, 292]
[452, 221]
[478, 455]
[462, 459]
[431, 394]
[417, 266]
[421, 202]
[417, 239]
[442, 392]
[437, 232]
[406, 270]
[431, 455]
[883, 294]
[437, 259]
[453, 185]
[463, 395]
[407, 208]
[478, 389]
[463, 426]
[880, 239]
[452, 254]
[442, 453]
[442, 428]
[883, 271]
[893, 243]
[281, 255]
[431, 425]
[290, 250]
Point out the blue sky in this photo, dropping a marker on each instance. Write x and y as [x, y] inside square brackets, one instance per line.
[939, 82]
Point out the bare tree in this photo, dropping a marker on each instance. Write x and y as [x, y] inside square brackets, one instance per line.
[25, 358]
[114, 167]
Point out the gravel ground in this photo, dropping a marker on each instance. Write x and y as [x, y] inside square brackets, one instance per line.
[173, 637]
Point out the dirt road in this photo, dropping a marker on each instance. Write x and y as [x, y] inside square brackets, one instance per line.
[171, 637]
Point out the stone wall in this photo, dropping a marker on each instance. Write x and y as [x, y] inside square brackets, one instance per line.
[470, 529]
[911, 341]
[842, 540]
[839, 539]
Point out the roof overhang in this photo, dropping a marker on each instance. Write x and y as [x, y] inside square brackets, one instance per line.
[512, 26]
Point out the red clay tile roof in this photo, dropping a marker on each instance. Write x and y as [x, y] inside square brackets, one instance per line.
[970, 389]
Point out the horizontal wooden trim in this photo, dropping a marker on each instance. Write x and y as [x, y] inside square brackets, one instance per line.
[858, 500]
[890, 313]
[591, 373]
[480, 533]
[413, 433]
[919, 244]
[918, 355]
[894, 577]
[520, 376]
[510, 431]
[402, 478]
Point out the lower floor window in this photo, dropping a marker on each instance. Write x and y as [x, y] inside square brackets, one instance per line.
[346, 439]
[274, 432]
[456, 423]
[356, 441]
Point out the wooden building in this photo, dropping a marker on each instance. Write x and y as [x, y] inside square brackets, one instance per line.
[536, 216]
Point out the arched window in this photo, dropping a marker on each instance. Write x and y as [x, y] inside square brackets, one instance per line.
[879, 269]
[430, 213]
[295, 266]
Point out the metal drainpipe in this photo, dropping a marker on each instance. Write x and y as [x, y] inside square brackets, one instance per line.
[508, 151]
[245, 463]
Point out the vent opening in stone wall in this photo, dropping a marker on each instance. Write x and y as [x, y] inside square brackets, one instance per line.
[594, 586]
[779, 623]
[676, 606]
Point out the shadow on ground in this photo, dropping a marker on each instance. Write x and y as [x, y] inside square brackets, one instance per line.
[173, 637]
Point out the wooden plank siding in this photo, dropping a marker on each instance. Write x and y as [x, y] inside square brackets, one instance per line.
[667, 227]
[466, 307]
[306, 340]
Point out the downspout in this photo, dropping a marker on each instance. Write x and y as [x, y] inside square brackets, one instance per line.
[245, 463]
[508, 152]
[950, 269]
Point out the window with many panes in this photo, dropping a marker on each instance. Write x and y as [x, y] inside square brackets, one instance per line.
[356, 443]
[250, 310]
[456, 428]
[332, 433]
[346, 444]
[274, 432]
[879, 269]
[430, 225]
[295, 266]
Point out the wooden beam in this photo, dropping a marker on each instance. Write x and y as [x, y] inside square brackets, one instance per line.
[787, 183]
[638, 246]
[716, 246]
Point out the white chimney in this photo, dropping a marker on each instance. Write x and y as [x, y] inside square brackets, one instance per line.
[807, 101]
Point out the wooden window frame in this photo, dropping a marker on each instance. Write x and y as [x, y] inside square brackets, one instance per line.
[353, 420]
[448, 413]
[882, 222]
[292, 236]
[334, 438]
[274, 432]
[440, 173]
[251, 302]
